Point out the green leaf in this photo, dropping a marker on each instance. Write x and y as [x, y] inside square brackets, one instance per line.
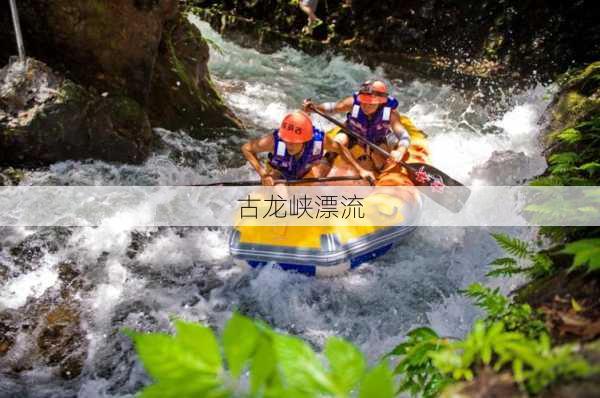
[378, 382]
[263, 365]
[423, 333]
[239, 342]
[586, 251]
[164, 359]
[199, 342]
[518, 370]
[188, 387]
[347, 364]
[300, 366]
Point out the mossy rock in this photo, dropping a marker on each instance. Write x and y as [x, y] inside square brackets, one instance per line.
[52, 119]
[184, 96]
[578, 99]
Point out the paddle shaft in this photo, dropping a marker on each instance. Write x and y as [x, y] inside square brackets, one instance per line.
[412, 172]
[287, 182]
[355, 135]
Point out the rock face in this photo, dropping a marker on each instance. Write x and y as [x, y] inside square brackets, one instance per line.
[143, 53]
[48, 331]
[577, 101]
[46, 118]
[484, 37]
[184, 94]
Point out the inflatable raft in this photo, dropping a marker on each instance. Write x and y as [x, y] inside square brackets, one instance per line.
[331, 250]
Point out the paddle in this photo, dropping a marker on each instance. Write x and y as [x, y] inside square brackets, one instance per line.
[420, 174]
[287, 182]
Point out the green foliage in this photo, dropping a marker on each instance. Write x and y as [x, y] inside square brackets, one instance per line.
[586, 253]
[513, 246]
[517, 317]
[574, 161]
[419, 376]
[532, 361]
[536, 264]
[193, 363]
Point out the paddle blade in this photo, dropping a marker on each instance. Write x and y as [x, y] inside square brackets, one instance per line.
[440, 187]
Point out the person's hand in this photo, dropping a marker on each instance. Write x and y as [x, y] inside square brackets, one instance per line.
[398, 154]
[267, 179]
[367, 175]
[307, 105]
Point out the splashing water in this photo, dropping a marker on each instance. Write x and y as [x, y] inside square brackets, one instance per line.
[141, 279]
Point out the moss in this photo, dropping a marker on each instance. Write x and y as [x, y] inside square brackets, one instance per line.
[579, 99]
[592, 71]
[126, 109]
[182, 74]
[13, 176]
[70, 91]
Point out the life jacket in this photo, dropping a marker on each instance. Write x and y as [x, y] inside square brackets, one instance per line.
[291, 167]
[376, 128]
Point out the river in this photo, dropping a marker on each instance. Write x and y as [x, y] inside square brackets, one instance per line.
[141, 279]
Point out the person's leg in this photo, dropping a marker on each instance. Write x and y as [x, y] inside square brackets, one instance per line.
[309, 7]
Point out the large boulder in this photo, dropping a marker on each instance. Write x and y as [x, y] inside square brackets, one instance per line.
[46, 118]
[144, 50]
[184, 96]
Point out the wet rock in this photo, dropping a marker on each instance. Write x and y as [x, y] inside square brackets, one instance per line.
[7, 334]
[50, 334]
[60, 339]
[110, 45]
[53, 119]
[72, 280]
[577, 101]
[186, 97]
[490, 40]
[11, 176]
[135, 51]
[3, 273]
[28, 254]
[505, 168]
[139, 241]
[208, 283]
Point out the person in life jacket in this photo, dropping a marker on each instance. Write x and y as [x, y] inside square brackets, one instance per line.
[372, 113]
[295, 150]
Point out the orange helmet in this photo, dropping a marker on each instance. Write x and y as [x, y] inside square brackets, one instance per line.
[373, 92]
[296, 128]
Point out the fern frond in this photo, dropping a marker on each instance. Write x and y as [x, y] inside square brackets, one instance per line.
[542, 266]
[514, 246]
[568, 158]
[505, 266]
[569, 136]
[547, 181]
[590, 167]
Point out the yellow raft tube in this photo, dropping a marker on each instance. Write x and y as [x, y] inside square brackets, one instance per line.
[331, 250]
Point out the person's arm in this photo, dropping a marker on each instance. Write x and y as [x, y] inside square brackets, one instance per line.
[341, 106]
[253, 148]
[334, 146]
[397, 153]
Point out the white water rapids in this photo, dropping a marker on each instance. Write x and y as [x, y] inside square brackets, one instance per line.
[142, 279]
